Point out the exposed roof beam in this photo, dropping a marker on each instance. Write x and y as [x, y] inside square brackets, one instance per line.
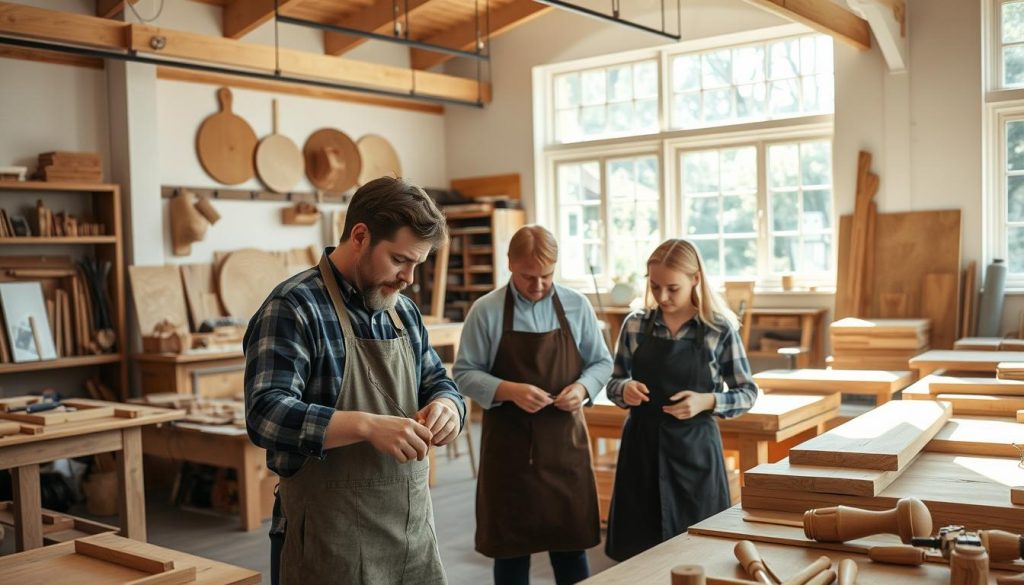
[463, 36]
[823, 16]
[243, 16]
[111, 8]
[378, 18]
[888, 23]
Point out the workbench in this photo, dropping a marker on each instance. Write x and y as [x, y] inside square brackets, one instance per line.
[881, 384]
[107, 558]
[763, 434]
[220, 446]
[23, 453]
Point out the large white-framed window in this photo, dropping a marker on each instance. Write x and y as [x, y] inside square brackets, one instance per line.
[611, 200]
[1003, 152]
[604, 102]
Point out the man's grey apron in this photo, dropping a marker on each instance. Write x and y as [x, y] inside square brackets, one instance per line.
[358, 515]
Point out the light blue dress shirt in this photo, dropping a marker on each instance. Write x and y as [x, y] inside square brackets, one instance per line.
[481, 335]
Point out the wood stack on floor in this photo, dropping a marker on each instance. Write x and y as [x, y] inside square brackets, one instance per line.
[877, 344]
[70, 167]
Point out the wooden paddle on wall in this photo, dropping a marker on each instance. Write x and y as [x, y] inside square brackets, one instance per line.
[279, 162]
[225, 144]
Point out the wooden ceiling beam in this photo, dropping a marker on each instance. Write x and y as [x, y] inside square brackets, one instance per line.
[378, 18]
[243, 16]
[111, 8]
[39, 23]
[463, 36]
[823, 16]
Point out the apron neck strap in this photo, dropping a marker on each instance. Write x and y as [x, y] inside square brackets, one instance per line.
[331, 282]
[510, 311]
[648, 329]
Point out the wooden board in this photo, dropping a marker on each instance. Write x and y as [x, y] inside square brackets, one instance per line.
[967, 300]
[772, 412]
[971, 361]
[279, 162]
[958, 489]
[845, 381]
[986, 436]
[827, 480]
[158, 294]
[225, 144]
[978, 344]
[977, 404]
[200, 292]
[884, 439]
[907, 246]
[246, 278]
[938, 297]
[964, 385]
[59, 417]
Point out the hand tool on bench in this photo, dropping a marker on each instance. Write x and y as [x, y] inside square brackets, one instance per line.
[910, 518]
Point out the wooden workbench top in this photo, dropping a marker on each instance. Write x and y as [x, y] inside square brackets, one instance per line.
[848, 381]
[147, 415]
[189, 357]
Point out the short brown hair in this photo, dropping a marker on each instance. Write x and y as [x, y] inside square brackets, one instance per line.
[388, 204]
[533, 241]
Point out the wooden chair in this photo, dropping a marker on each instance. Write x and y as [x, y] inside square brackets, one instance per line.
[739, 295]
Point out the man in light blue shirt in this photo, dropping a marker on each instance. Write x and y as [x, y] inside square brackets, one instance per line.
[532, 355]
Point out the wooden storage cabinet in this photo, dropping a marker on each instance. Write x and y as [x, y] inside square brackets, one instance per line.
[209, 375]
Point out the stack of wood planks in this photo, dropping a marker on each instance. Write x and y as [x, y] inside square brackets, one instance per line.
[970, 395]
[897, 450]
[70, 167]
[1010, 371]
[877, 344]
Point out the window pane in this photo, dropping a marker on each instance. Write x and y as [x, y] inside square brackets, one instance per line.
[568, 125]
[647, 177]
[567, 90]
[783, 165]
[739, 169]
[645, 79]
[572, 222]
[716, 69]
[686, 73]
[646, 117]
[594, 120]
[1015, 245]
[592, 259]
[748, 64]
[622, 178]
[1015, 145]
[709, 254]
[817, 213]
[784, 97]
[590, 178]
[700, 172]
[823, 56]
[718, 104]
[740, 257]
[818, 93]
[702, 216]
[784, 253]
[622, 214]
[592, 222]
[816, 253]
[784, 59]
[624, 259]
[1013, 22]
[815, 163]
[621, 115]
[739, 213]
[686, 110]
[647, 215]
[569, 188]
[593, 87]
[1013, 65]
[785, 212]
[620, 83]
[750, 101]
[1015, 198]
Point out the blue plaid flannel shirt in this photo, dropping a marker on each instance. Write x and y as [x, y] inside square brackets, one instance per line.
[729, 363]
[294, 359]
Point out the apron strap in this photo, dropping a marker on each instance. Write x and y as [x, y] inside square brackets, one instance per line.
[331, 282]
[648, 329]
[510, 310]
[396, 320]
[560, 312]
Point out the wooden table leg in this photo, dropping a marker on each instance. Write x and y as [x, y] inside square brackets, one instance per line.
[805, 359]
[129, 477]
[28, 518]
[753, 452]
[250, 475]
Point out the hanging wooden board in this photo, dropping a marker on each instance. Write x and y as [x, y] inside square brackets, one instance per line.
[158, 294]
[886, 438]
[379, 159]
[279, 162]
[246, 278]
[200, 292]
[225, 144]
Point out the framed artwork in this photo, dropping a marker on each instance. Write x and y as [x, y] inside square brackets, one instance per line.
[28, 327]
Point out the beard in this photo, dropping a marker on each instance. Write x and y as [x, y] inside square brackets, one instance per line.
[373, 289]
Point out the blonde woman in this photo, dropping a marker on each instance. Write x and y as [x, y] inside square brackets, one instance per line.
[677, 363]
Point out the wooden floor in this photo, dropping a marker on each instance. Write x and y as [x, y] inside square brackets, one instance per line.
[216, 536]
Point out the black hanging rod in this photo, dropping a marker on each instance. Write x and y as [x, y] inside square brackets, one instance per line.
[611, 18]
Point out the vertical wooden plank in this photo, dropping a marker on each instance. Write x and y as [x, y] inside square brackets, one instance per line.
[129, 476]
[440, 285]
[966, 321]
[28, 519]
[938, 303]
[753, 452]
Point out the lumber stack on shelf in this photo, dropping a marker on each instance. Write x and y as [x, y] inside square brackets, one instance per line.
[877, 344]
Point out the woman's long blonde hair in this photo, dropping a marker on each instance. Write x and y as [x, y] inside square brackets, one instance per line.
[682, 255]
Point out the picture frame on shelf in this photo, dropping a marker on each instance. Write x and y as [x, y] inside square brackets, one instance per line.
[27, 324]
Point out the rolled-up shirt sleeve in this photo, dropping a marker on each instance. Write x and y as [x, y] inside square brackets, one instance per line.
[473, 364]
[622, 370]
[734, 370]
[277, 365]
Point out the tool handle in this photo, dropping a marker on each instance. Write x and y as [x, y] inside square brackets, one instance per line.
[848, 570]
[1002, 545]
[968, 565]
[809, 572]
[746, 553]
[823, 578]
[897, 555]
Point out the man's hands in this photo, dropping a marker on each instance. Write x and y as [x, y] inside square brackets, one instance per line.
[529, 397]
[441, 417]
[406, 439]
[571, 397]
[690, 404]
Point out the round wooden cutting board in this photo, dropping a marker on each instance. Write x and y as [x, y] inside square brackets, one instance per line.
[225, 144]
[379, 159]
[246, 278]
[278, 160]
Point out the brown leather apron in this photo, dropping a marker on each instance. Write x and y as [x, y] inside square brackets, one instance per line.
[536, 489]
[360, 516]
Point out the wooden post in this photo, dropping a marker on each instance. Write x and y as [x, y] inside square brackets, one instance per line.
[129, 477]
[28, 520]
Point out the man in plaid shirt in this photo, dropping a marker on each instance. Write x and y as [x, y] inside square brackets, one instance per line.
[344, 391]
